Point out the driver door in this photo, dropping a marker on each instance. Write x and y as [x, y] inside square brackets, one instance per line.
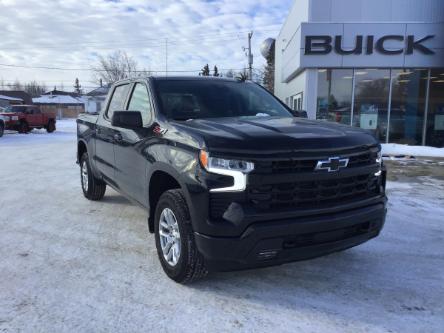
[132, 145]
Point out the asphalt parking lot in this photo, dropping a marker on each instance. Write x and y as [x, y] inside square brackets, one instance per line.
[71, 265]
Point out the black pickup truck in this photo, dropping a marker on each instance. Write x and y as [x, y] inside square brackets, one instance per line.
[231, 179]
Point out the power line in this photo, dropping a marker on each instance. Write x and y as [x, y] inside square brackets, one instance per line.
[144, 43]
[103, 70]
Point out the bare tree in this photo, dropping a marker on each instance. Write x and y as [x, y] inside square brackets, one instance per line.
[229, 73]
[16, 85]
[242, 76]
[34, 88]
[116, 66]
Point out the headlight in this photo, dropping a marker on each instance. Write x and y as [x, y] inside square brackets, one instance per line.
[234, 168]
[379, 162]
[379, 158]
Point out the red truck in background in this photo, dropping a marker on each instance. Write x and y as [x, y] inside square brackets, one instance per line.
[24, 118]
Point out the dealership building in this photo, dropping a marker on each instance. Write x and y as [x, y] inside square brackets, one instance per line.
[375, 64]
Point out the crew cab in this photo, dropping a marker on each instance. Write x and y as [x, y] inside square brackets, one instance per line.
[24, 118]
[230, 178]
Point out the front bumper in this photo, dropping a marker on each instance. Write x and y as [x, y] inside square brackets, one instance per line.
[269, 243]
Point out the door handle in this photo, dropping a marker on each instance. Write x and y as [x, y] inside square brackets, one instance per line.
[118, 137]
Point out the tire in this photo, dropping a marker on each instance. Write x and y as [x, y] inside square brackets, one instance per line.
[92, 187]
[190, 264]
[2, 129]
[51, 126]
[23, 127]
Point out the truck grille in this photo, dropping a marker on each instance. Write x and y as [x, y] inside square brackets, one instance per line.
[313, 193]
[308, 192]
[308, 165]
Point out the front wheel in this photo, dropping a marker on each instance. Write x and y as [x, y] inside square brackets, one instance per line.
[176, 248]
[2, 129]
[93, 188]
[51, 126]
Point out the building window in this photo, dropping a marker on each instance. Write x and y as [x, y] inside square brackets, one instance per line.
[409, 87]
[370, 111]
[296, 101]
[435, 117]
[334, 95]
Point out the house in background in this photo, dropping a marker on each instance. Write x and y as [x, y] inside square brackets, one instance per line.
[6, 101]
[56, 92]
[12, 97]
[61, 105]
[95, 99]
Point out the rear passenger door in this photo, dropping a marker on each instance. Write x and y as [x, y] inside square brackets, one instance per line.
[130, 149]
[106, 134]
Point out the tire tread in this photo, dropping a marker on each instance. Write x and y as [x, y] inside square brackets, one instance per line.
[195, 267]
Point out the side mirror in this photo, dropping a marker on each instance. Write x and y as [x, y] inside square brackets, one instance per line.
[299, 113]
[127, 119]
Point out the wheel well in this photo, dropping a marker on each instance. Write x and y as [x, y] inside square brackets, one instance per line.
[159, 183]
[81, 149]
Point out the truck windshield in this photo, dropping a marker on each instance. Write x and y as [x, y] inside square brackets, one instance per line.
[197, 99]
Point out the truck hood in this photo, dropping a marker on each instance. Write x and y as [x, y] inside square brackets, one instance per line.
[273, 135]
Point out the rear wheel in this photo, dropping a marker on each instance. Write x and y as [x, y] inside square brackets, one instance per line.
[93, 188]
[2, 129]
[23, 127]
[176, 248]
[51, 126]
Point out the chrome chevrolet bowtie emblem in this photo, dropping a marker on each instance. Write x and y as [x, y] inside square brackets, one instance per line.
[332, 164]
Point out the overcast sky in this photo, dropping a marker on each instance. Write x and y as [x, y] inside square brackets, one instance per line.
[72, 33]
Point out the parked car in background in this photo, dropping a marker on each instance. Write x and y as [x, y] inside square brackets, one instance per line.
[24, 118]
[229, 176]
[2, 125]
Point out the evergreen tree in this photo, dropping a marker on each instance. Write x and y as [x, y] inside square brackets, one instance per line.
[205, 71]
[77, 87]
[268, 80]
[216, 71]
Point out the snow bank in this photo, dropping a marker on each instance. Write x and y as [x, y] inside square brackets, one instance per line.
[397, 149]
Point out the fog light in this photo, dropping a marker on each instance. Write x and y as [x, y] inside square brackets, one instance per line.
[267, 255]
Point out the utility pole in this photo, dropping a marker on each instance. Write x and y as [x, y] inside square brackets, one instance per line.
[250, 57]
[166, 56]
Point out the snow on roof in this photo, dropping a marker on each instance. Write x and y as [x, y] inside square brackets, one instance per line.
[99, 91]
[56, 99]
[7, 98]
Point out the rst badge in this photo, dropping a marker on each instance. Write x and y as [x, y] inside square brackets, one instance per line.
[332, 164]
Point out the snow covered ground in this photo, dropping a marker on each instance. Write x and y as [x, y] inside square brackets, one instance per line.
[394, 149]
[71, 265]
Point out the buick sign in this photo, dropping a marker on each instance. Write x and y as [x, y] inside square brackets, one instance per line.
[324, 44]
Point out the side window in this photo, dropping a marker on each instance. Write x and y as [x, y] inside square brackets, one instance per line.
[140, 101]
[117, 100]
